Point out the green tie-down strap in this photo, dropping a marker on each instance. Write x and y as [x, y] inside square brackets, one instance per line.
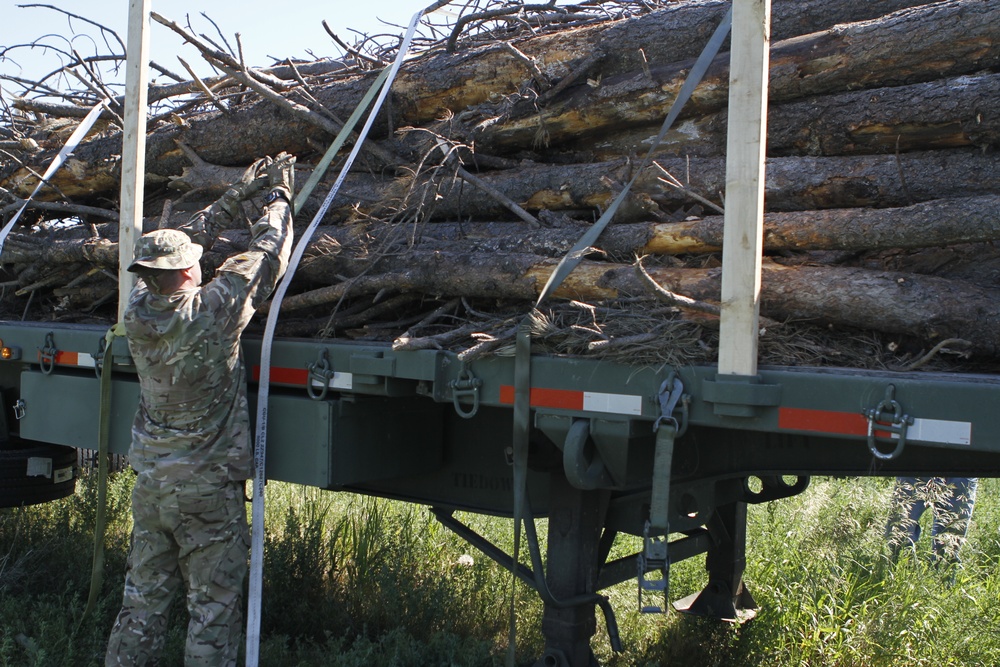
[519, 459]
[103, 438]
[522, 358]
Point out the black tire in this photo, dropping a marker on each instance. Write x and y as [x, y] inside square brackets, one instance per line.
[17, 488]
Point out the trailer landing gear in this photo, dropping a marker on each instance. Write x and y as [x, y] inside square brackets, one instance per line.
[725, 597]
[575, 521]
[575, 560]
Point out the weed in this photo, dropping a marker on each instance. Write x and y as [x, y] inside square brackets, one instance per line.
[353, 580]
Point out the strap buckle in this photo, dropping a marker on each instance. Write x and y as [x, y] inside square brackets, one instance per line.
[671, 393]
[653, 559]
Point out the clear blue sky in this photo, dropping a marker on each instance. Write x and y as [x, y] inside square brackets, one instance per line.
[289, 28]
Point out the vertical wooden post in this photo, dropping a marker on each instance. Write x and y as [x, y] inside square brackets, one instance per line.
[133, 145]
[744, 217]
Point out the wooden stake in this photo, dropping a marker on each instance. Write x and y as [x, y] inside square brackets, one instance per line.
[744, 217]
[134, 144]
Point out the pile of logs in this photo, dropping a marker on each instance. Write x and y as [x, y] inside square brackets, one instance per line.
[504, 139]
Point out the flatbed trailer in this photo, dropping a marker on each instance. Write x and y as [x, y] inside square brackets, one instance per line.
[673, 455]
[423, 427]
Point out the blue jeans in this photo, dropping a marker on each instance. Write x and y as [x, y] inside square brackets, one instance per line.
[950, 498]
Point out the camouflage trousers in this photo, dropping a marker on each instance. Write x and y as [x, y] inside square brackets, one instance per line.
[192, 537]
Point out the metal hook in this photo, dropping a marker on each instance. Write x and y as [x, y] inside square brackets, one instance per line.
[47, 354]
[898, 425]
[321, 372]
[467, 384]
[99, 357]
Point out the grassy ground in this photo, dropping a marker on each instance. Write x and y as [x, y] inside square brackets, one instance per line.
[356, 581]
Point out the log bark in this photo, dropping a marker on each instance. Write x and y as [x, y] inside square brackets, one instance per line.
[947, 113]
[900, 49]
[792, 183]
[930, 224]
[937, 223]
[584, 189]
[437, 82]
[925, 307]
[360, 248]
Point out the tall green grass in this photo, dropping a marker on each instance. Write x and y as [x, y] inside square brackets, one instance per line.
[352, 580]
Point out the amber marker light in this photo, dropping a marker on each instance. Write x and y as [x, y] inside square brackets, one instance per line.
[9, 353]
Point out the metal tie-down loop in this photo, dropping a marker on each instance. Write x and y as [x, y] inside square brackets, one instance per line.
[47, 354]
[467, 384]
[898, 425]
[99, 357]
[321, 373]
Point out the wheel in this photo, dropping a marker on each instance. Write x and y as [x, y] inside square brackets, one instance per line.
[52, 475]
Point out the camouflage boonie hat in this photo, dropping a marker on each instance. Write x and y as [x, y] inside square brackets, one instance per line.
[165, 249]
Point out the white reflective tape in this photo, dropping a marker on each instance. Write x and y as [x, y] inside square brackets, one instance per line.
[338, 381]
[940, 431]
[84, 359]
[39, 466]
[619, 404]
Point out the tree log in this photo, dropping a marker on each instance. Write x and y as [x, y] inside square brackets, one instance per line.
[792, 183]
[937, 223]
[906, 47]
[947, 113]
[924, 307]
[440, 82]
[358, 248]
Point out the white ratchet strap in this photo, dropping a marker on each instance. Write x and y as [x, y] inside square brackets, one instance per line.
[260, 445]
[74, 140]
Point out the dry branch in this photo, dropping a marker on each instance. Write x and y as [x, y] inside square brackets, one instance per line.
[883, 180]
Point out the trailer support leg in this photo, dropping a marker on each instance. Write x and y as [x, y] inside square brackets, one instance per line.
[576, 518]
[725, 597]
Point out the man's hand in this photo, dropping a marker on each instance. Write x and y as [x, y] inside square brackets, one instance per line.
[281, 173]
[266, 172]
[254, 180]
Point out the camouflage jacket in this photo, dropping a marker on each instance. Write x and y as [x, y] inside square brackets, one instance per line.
[193, 422]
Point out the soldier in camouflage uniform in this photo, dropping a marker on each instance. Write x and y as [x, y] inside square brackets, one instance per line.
[191, 436]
